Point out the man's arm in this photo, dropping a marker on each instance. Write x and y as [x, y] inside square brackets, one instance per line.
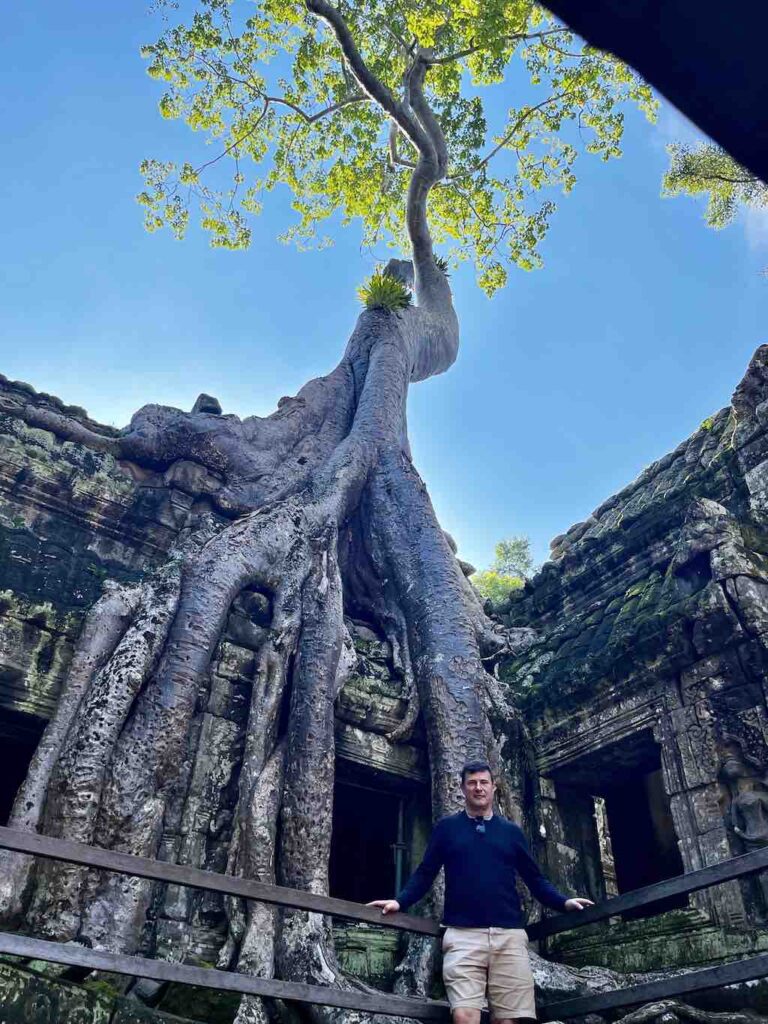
[421, 879]
[540, 886]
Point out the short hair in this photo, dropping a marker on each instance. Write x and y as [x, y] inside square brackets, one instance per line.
[475, 766]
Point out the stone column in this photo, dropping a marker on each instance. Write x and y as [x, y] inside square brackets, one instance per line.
[690, 765]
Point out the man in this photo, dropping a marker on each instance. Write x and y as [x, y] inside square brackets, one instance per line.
[485, 944]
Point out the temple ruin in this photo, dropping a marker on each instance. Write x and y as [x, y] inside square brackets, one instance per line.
[644, 694]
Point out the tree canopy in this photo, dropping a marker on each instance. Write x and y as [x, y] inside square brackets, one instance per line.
[267, 83]
[512, 565]
[513, 557]
[708, 170]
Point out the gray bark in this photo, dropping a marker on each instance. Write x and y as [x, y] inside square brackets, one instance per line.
[105, 624]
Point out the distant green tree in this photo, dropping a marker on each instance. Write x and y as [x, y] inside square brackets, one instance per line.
[512, 565]
[513, 557]
[709, 170]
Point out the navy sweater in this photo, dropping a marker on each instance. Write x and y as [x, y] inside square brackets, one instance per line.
[480, 870]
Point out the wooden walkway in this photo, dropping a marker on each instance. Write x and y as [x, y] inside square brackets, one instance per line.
[354, 999]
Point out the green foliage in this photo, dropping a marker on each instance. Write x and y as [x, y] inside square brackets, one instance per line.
[265, 83]
[512, 565]
[709, 170]
[102, 987]
[707, 424]
[513, 557]
[384, 291]
[495, 585]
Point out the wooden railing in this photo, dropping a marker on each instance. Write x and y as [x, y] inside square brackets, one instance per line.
[370, 1002]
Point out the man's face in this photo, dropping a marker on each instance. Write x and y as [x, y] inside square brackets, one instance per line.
[478, 790]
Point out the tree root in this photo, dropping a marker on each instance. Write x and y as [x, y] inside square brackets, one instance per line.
[670, 1011]
[102, 630]
[78, 779]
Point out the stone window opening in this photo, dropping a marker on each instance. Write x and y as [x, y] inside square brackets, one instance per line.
[19, 735]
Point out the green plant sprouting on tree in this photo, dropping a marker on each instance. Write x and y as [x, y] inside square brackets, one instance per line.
[512, 565]
[708, 170]
[517, 96]
[384, 291]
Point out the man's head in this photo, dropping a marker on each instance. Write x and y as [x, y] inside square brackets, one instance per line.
[477, 787]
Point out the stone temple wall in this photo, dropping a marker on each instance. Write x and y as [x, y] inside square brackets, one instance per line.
[650, 671]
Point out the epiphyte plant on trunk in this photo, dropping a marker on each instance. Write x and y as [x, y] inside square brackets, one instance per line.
[375, 110]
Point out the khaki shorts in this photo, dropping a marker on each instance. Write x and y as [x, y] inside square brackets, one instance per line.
[494, 958]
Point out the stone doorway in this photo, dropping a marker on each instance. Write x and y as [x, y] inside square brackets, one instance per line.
[380, 825]
[616, 816]
[377, 819]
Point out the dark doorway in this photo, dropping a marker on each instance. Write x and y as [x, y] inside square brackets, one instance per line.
[643, 838]
[376, 821]
[19, 736]
[639, 842]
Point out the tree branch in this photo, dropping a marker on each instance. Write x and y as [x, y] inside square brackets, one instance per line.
[414, 83]
[394, 157]
[236, 142]
[594, 55]
[367, 81]
[517, 37]
[508, 136]
[684, 175]
[355, 97]
[311, 118]
[418, 123]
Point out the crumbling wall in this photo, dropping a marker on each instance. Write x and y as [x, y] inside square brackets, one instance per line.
[653, 620]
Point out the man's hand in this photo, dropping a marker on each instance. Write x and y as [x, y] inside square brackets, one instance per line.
[387, 906]
[578, 903]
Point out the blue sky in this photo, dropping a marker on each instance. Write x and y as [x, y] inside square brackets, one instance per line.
[568, 383]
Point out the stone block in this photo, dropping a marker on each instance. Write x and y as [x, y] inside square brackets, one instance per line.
[377, 752]
[30, 998]
[695, 740]
[547, 788]
[714, 846]
[706, 805]
[234, 662]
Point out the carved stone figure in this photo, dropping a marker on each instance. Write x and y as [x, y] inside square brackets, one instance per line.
[748, 808]
[747, 812]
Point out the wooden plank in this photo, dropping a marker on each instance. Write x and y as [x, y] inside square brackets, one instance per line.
[689, 981]
[181, 874]
[735, 867]
[223, 981]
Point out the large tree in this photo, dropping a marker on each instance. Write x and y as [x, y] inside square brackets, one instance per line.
[374, 109]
